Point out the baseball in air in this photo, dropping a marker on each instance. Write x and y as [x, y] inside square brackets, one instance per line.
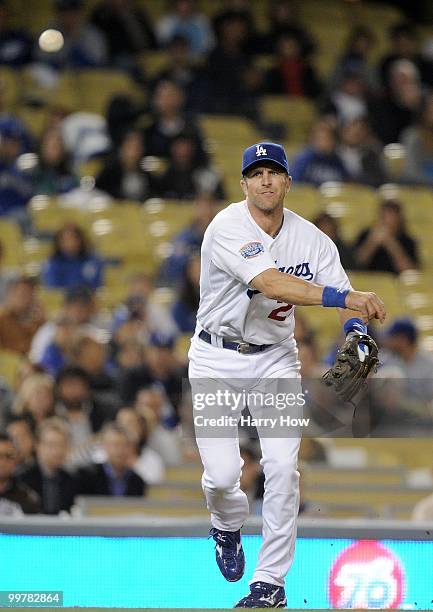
[51, 41]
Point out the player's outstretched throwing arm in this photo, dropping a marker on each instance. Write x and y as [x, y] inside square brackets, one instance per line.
[277, 285]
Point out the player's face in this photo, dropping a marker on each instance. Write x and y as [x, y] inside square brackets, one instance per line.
[265, 186]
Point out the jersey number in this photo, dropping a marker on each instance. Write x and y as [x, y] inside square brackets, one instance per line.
[276, 313]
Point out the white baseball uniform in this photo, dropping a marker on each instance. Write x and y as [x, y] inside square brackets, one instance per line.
[234, 251]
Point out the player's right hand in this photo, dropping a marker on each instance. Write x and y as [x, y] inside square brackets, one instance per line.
[368, 304]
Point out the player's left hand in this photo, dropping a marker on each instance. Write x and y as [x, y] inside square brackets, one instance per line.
[355, 360]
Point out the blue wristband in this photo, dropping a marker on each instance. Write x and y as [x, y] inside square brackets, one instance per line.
[334, 298]
[355, 325]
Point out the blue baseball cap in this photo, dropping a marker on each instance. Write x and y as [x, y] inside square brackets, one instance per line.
[264, 151]
[403, 327]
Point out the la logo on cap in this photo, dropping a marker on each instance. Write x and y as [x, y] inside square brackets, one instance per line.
[260, 150]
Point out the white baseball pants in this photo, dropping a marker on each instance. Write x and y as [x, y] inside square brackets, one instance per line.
[222, 462]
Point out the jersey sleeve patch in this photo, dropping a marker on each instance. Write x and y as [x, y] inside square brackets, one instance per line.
[251, 249]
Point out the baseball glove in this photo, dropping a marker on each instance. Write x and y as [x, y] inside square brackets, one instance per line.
[355, 360]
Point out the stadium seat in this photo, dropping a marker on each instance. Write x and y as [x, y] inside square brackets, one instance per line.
[152, 63]
[51, 300]
[297, 114]
[95, 88]
[9, 89]
[11, 239]
[9, 363]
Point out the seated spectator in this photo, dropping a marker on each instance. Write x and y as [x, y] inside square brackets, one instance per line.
[187, 174]
[283, 19]
[72, 262]
[182, 70]
[293, 74]
[15, 44]
[184, 310]
[348, 100]
[76, 403]
[21, 429]
[241, 10]
[234, 84]
[319, 162]
[6, 275]
[123, 176]
[15, 184]
[360, 153]
[84, 45]
[78, 311]
[418, 143]
[91, 355]
[20, 316]
[189, 239]
[6, 401]
[54, 485]
[113, 477]
[169, 120]
[16, 498]
[121, 117]
[161, 368]
[35, 397]
[126, 28]
[138, 317]
[415, 365]
[145, 461]
[329, 226]
[404, 46]
[356, 57]
[53, 175]
[399, 106]
[151, 403]
[57, 353]
[184, 20]
[129, 354]
[386, 246]
[85, 137]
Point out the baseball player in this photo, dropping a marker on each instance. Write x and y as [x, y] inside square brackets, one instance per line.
[258, 261]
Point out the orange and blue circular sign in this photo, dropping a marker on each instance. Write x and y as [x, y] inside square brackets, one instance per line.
[366, 574]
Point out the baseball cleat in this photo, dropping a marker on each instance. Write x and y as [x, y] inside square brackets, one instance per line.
[229, 553]
[263, 595]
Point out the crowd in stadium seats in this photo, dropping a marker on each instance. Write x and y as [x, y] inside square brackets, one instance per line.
[91, 371]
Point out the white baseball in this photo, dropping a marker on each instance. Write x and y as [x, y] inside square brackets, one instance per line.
[51, 41]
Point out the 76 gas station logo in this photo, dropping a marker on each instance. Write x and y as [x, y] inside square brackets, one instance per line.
[366, 575]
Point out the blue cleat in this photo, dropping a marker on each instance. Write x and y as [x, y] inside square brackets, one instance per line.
[263, 595]
[229, 553]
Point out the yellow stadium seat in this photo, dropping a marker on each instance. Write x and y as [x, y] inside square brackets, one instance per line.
[48, 216]
[296, 113]
[9, 88]
[95, 88]
[35, 119]
[304, 200]
[9, 363]
[10, 236]
[153, 62]
[51, 300]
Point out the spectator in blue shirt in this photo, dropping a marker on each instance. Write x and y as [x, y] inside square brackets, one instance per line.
[72, 262]
[15, 185]
[184, 310]
[189, 239]
[319, 162]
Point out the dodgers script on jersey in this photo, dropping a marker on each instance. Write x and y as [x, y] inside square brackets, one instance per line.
[235, 250]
